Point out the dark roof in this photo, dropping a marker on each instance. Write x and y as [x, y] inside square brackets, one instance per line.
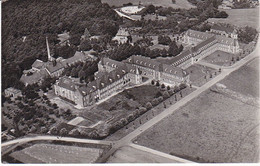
[222, 28]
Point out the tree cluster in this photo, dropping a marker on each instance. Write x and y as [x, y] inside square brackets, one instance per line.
[38, 19]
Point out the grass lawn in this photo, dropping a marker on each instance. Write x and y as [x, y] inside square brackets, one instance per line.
[220, 58]
[120, 105]
[49, 153]
[166, 3]
[198, 72]
[211, 128]
[245, 80]
[240, 17]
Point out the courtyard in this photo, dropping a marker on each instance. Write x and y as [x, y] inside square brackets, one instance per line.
[221, 58]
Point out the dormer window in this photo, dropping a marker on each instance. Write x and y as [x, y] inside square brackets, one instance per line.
[102, 84]
[136, 61]
[110, 79]
[94, 87]
[118, 76]
[123, 71]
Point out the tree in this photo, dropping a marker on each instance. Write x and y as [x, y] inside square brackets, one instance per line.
[176, 89]
[160, 99]
[162, 86]
[152, 82]
[157, 83]
[168, 87]
[142, 110]
[63, 131]
[182, 86]
[166, 95]
[155, 102]
[173, 49]
[148, 106]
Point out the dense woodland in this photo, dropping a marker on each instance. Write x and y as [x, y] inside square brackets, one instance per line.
[25, 24]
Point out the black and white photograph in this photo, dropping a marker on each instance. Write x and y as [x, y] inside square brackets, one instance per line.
[130, 82]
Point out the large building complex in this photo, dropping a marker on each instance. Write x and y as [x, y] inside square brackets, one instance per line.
[203, 44]
[52, 68]
[113, 76]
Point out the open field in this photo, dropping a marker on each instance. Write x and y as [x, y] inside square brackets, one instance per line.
[240, 17]
[198, 72]
[129, 154]
[215, 127]
[49, 153]
[245, 80]
[166, 3]
[220, 58]
[211, 128]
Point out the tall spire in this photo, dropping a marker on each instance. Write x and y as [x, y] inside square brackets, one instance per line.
[48, 50]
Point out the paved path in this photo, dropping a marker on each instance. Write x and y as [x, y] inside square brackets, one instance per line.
[53, 138]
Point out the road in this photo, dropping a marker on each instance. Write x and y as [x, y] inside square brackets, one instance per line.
[55, 138]
[128, 138]
[225, 72]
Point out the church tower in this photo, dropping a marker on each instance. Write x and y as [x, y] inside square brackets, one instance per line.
[50, 58]
[138, 76]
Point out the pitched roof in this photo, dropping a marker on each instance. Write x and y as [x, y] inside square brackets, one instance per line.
[67, 83]
[222, 28]
[204, 42]
[53, 68]
[198, 34]
[78, 56]
[184, 54]
[34, 78]
[112, 63]
[144, 61]
[38, 64]
[226, 40]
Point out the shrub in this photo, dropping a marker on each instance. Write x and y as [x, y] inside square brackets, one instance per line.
[148, 105]
[166, 95]
[168, 87]
[44, 130]
[130, 117]
[124, 121]
[152, 82]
